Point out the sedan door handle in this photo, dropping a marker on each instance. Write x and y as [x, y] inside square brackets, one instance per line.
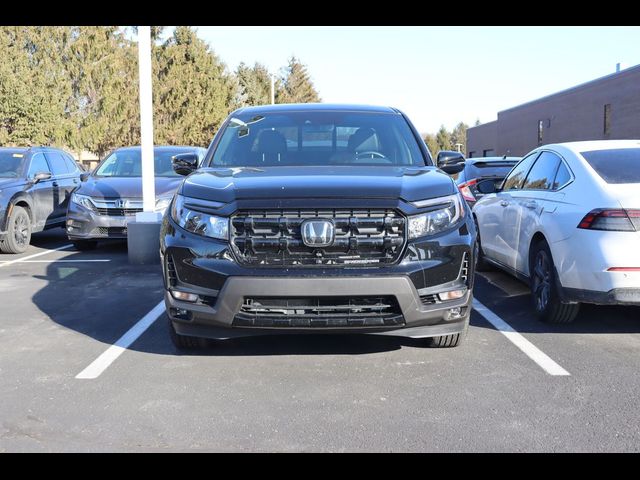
[55, 184]
[75, 180]
[531, 205]
[504, 203]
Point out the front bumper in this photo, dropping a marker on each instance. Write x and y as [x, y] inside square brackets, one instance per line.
[208, 269]
[84, 224]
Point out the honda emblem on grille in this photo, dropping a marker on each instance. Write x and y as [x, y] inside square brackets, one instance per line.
[121, 203]
[317, 232]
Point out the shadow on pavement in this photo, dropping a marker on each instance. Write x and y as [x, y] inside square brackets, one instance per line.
[104, 300]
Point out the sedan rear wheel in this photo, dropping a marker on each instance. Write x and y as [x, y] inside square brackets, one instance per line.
[544, 288]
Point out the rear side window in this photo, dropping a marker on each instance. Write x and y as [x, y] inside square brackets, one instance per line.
[38, 165]
[516, 178]
[72, 166]
[562, 177]
[620, 165]
[543, 172]
[58, 164]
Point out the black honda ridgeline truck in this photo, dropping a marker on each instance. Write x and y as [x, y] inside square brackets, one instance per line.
[318, 218]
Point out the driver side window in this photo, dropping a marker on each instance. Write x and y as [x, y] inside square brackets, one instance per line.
[38, 165]
[516, 178]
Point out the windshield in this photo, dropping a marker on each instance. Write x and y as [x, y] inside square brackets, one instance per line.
[128, 163]
[620, 165]
[11, 164]
[317, 138]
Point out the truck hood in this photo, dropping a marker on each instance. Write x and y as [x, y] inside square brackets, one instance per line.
[229, 184]
[126, 187]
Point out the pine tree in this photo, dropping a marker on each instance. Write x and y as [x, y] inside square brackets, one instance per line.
[459, 136]
[105, 103]
[193, 93]
[34, 85]
[443, 138]
[255, 83]
[295, 85]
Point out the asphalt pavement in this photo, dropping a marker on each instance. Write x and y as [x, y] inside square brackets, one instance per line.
[61, 310]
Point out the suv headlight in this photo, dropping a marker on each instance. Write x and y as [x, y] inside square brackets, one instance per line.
[198, 222]
[446, 212]
[82, 200]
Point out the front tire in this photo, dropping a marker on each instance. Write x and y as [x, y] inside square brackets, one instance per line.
[18, 234]
[452, 340]
[545, 288]
[185, 342]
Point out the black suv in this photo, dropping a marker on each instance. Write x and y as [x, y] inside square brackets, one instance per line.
[317, 218]
[35, 186]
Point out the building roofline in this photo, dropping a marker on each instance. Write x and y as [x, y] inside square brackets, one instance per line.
[626, 71]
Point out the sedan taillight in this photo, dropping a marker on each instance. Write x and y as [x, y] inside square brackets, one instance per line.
[465, 190]
[617, 220]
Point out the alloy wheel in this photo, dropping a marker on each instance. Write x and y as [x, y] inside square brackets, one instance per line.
[21, 231]
[542, 280]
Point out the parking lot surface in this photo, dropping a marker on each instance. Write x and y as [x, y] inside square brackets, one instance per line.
[536, 387]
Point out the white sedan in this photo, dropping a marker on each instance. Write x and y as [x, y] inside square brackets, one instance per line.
[567, 220]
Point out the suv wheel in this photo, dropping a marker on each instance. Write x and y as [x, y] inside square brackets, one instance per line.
[18, 234]
[185, 342]
[85, 244]
[453, 340]
[544, 288]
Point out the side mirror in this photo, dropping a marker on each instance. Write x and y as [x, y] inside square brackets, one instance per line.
[40, 176]
[185, 163]
[84, 176]
[450, 162]
[486, 186]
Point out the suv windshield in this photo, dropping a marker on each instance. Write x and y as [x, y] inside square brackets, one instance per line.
[317, 138]
[128, 163]
[11, 164]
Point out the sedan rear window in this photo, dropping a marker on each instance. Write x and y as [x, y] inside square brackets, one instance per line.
[620, 165]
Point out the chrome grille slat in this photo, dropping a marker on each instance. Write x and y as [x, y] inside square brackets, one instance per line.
[362, 236]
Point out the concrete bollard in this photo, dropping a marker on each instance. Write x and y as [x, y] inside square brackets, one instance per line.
[143, 238]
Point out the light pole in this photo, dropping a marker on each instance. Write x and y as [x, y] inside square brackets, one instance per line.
[273, 88]
[143, 232]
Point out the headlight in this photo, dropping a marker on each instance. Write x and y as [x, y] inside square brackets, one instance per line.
[82, 200]
[198, 222]
[446, 212]
[162, 203]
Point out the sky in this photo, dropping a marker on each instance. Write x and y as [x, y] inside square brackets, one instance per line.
[436, 75]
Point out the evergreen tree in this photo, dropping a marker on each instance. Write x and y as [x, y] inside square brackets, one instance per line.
[443, 138]
[34, 85]
[193, 93]
[477, 122]
[105, 102]
[459, 136]
[295, 85]
[255, 83]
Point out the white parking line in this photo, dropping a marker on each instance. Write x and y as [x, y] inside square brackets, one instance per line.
[59, 261]
[529, 349]
[101, 363]
[11, 262]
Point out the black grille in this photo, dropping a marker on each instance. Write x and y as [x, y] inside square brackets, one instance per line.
[430, 299]
[464, 270]
[319, 312]
[362, 236]
[109, 231]
[170, 272]
[118, 212]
